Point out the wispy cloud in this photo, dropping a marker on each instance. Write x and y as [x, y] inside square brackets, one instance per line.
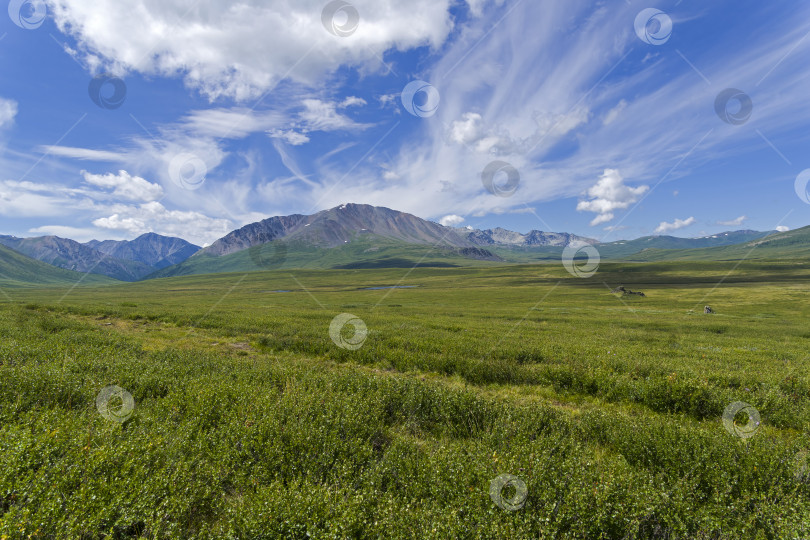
[733, 222]
[87, 154]
[8, 111]
[665, 227]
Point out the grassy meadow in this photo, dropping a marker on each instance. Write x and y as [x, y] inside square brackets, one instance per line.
[251, 422]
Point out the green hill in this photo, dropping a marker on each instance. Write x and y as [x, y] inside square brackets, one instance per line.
[790, 245]
[366, 251]
[371, 251]
[18, 269]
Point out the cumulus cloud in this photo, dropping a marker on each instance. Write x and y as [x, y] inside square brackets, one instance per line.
[665, 227]
[451, 221]
[471, 132]
[609, 194]
[154, 217]
[733, 222]
[242, 49]
[8, 110]
[125, 186]
[115, 219]
[782, 228]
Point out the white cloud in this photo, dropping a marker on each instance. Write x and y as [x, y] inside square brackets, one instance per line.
[782, 228]
[290, 136]
[125, 186]
[471, 132]
[318, 115]
[30, 199]
[80, 234]
[321, 115]
[610, 194]
[451, 221]
[572, 103]
[154, 217]
[733, 222]
[8, 110]
[242, 49]
[551, 94]
[83, 153]
[614, 113]
[665, 227]
[230, 123]
[477, 6]
[352, 101]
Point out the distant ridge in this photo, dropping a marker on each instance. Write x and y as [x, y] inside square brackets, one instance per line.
[151, 249]
[18, 269]
[499, 236]
[122, 260]
[354, 236]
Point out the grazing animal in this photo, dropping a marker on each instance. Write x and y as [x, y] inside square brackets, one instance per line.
[621, 289]
[708, 310]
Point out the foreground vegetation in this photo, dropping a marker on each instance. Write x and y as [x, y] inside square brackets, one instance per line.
[250, 422]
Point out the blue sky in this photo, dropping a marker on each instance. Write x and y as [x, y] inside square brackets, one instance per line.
[236, 111]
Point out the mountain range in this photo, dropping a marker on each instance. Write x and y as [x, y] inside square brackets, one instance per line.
[357, 236]
[123, 260]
